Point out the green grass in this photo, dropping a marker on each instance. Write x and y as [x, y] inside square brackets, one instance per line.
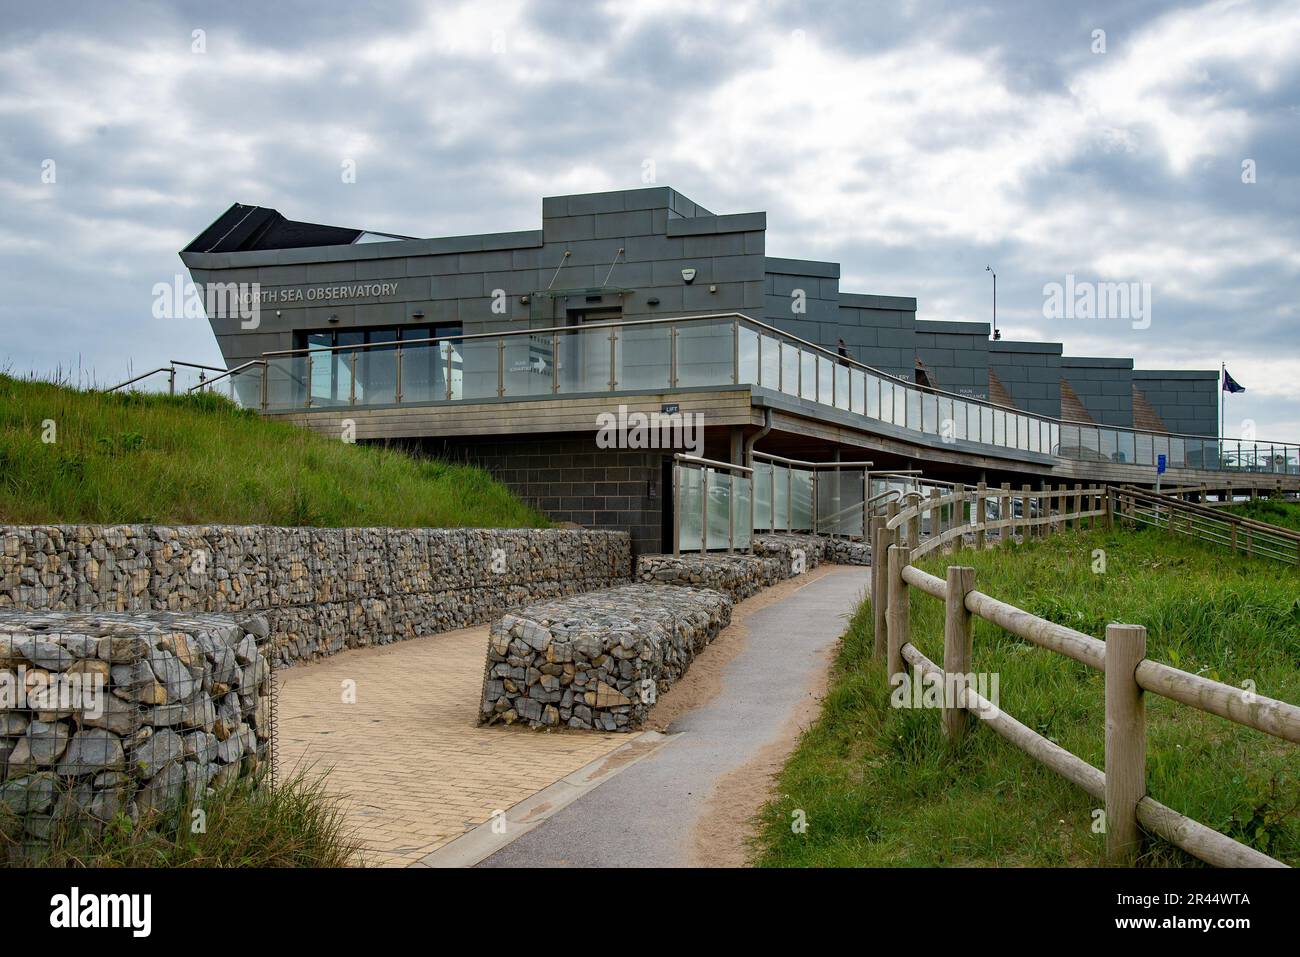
[881, 787]
[199, 459]
[1273, 511]
[250, 823]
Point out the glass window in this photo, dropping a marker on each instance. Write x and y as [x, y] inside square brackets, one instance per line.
[858, 389]
[873, 397]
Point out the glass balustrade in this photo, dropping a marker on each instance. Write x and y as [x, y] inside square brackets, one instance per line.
[639, 357]
[705, 352]
[645, 357]
[713, 509]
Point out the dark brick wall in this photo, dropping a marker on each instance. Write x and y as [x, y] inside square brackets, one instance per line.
[571, 480]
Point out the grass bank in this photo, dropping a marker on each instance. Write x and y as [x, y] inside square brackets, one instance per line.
[1271, 510]
[880, 786]
[86, 457]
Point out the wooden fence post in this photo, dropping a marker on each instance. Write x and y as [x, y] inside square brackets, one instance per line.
[935, 523]
[879, 582]
[1062, 506]
[1026, 512]
[1006, 513]
[957, 641]
[980, 539]
[898, 620]
[1078, 507]
[1110, 508]
[958, 518]
[1126, 741]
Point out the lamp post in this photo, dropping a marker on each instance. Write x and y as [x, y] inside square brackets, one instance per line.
[996, 334]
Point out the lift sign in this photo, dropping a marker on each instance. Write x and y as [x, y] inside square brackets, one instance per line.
[1160, 465]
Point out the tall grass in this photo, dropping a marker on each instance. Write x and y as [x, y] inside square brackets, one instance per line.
[87, 457]
[1275, 511]
[251, 823]
[881, 786]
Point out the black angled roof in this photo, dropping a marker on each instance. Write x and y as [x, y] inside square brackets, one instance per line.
[242, 228]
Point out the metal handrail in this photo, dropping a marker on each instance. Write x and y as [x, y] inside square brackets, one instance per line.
[168, 369]
[228, 372]
[711, 463]
[810, 465]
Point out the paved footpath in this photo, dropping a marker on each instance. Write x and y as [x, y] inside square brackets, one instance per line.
[646, 816]
[415, 769]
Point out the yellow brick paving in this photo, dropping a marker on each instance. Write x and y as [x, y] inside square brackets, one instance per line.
[413, 768]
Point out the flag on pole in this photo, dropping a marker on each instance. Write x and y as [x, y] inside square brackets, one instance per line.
[1230, 384]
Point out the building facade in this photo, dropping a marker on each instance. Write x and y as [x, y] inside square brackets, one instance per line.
[640, 254]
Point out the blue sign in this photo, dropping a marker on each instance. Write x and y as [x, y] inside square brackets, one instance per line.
[1160, 465]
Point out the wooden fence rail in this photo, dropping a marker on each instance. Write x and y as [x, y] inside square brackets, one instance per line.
[1121, 657]
[1213, 525]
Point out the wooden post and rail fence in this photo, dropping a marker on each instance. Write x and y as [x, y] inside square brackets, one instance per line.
[1214, 525]
[1129, 673]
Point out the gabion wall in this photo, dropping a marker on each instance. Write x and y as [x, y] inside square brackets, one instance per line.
[320, 589]
[104, 715]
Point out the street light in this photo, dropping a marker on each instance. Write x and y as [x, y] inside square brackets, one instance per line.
[996, 334]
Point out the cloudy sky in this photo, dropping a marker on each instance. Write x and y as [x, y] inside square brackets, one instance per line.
[913, 142]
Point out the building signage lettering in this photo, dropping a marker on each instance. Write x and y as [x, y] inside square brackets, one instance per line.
[358, 290]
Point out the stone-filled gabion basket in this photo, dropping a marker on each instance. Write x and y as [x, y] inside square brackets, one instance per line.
[110, 714]
[320, 589]
[597, 660]
[736, 576]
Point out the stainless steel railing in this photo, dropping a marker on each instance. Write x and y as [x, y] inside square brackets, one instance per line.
[716, 350]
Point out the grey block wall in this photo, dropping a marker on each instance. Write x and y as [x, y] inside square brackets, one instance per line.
[1186, 399]
[1104, 386]
[1031, 372]
[880, 331]
[570, 480]
[957, 354]
[455, 279]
